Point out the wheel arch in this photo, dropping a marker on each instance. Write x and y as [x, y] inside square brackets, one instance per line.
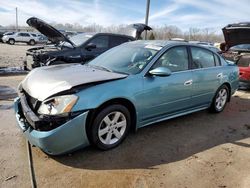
[122, 101]
[229, 89]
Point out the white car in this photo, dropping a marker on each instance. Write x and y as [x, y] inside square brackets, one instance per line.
[24, 37]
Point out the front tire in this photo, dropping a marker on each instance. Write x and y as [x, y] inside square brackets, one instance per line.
[110, 127]
[11, 41]
[220, 99]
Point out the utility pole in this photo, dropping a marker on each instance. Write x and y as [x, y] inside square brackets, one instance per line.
[16, 20]
[146, 18]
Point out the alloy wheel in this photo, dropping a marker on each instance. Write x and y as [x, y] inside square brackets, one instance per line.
[221, 99]
[112, 128]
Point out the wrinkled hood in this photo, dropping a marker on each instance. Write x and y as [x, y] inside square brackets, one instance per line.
[53, 34]
[43, 82]
[236, 34]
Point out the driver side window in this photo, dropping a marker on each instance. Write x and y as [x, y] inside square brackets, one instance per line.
[175, 59]
[101, 41]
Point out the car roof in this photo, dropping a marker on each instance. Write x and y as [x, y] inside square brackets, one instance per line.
[161, 43]
[165, 43]
[114, 34]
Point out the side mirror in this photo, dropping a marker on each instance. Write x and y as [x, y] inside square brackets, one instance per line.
[90, 46]
[160, 71]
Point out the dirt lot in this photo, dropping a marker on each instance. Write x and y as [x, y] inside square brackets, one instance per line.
[12, 56]
[197, 150]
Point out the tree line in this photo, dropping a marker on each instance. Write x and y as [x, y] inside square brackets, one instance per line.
[165, 32]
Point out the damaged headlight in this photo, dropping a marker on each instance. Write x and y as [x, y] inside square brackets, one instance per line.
[58, 105]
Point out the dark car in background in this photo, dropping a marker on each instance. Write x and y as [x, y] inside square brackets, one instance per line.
[79, 48]
[237, 49]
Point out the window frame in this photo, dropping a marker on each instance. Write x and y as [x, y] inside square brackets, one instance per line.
[165, 51]
[191, 56]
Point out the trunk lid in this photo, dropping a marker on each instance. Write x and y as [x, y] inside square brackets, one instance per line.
[236, 34]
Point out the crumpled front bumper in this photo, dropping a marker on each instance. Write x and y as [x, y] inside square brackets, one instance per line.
[63, 139]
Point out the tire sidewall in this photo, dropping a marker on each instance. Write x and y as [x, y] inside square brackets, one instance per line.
[214, 108]
[99, 117]
[32, 42]
[10, 41]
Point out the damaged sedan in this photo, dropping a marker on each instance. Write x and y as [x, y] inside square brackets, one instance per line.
[79, 48]
[63, 108]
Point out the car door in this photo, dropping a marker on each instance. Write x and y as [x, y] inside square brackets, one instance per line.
[167, 96]
[102, 44]
[19, 37]
[24, 37]
[207, 75]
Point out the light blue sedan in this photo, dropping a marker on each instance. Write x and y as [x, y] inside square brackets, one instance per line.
[66, 107]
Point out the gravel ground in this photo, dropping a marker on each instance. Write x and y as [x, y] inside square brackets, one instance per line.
[12, 55]
[196, 150]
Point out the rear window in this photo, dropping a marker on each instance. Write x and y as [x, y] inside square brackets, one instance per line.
[117, 40]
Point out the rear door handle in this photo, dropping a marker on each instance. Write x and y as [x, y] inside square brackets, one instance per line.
[219, 75]
[188, 82]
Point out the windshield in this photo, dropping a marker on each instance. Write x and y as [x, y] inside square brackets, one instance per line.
[80, 38]
[9, 33]
[128, 58]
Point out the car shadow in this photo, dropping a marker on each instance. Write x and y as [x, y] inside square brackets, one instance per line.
[169, 141]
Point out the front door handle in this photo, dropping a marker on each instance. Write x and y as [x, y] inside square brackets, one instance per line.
[219, 75]
[188, 82]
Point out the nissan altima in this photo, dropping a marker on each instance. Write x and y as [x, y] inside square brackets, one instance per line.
[66, 107]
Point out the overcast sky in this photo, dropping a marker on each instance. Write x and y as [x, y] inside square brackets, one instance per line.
[182, 13]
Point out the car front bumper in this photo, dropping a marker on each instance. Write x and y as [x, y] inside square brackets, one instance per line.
[5, 40]
[63, 139]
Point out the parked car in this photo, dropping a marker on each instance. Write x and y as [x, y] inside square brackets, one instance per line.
[65, 107]
[24, 37]
[79, 48]
[40, 38]
[237, 49]
[5, 33]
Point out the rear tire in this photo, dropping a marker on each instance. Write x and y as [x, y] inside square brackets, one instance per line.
[220, 99]
[110, 127]
[32, 42]
[11, 41]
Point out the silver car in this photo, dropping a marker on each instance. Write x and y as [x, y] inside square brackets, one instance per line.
[24, 37]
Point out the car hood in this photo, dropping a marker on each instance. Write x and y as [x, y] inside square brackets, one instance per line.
[236, 34]
[50, 32]
[44, 82]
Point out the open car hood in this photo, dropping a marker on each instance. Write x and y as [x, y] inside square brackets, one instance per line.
[236, 34]
[53, 34]
[139, 28]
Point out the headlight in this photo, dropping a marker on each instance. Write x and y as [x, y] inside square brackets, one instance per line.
[58, 105]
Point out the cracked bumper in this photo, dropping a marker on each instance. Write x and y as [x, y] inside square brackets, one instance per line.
[63, 139]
